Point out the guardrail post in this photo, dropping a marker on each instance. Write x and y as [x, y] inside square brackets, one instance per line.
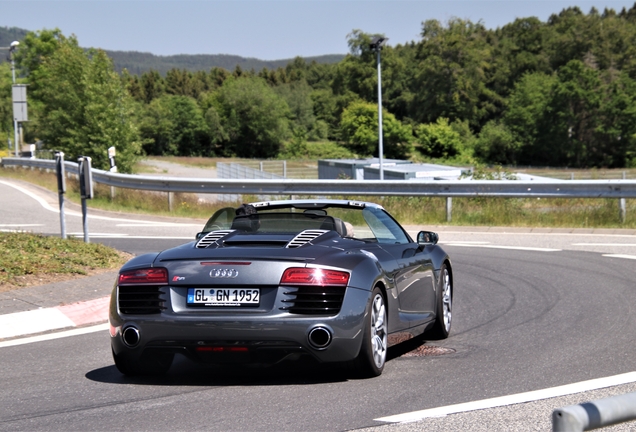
[284, 169]
[449, 208]
[170, 199]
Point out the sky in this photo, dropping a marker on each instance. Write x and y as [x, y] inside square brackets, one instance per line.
[263, 29]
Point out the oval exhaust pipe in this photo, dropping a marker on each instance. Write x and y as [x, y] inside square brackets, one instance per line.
[319, 337]
[130, 336]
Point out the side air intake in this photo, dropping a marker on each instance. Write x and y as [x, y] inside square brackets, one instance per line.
[212, 237]
[305, 237]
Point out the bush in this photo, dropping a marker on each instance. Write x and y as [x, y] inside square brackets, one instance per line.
[438, 140]
[497, 144]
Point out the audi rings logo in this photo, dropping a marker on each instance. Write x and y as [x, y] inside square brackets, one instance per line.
[224, 273]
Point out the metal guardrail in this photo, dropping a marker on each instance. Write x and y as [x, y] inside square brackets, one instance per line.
[596, 414]
[439, 188]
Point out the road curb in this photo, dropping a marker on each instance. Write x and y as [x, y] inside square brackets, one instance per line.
[55, 318]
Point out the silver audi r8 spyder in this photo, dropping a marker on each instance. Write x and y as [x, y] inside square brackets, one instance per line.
[337, 280]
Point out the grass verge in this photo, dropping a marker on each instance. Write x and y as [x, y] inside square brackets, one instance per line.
[32, 259]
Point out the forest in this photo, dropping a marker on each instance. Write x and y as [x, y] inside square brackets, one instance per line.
[560, 93]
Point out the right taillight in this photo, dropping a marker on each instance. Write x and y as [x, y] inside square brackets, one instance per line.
[314, 276]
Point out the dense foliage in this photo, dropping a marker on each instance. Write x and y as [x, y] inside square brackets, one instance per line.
[557, 93]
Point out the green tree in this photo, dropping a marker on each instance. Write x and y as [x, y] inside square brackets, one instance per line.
[618, 128]
[35, 49]
[6, 107]
[132, 83]
[598, 110]
[84, 108]
[357, 73]
[253, 117]
[527, 118]
[497, 144]
[175, 125]
[519, 49]
[181, 82]
[453, 70]
[359, 129]
[575, 106]
[297, 94]
[439, 139]
[579, 117]
[152, 86]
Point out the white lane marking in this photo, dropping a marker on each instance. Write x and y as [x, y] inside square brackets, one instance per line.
[604, 244]
[531, 396]
[506, 247]
[452, 242]
[32, 195]
[92, 234]
[126, 236]
[620, 256]
[156, 224]
[534, 233]
[51, 336]
[46, 205]
[33, 321]
[20, 225]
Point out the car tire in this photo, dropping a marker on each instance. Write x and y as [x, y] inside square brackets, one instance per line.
[372, 357]
[155, 363]
[443, 315]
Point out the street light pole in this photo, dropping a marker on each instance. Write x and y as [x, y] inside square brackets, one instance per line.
[376, 45]
[12, 49]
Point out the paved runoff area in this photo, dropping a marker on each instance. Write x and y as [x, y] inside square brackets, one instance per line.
[61, 305]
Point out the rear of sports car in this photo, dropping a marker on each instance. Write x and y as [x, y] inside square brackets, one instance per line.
[255, 302]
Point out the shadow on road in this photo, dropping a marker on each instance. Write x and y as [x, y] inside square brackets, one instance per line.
[300, 372]
[187, 373]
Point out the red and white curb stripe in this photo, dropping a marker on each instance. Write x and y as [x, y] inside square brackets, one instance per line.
[45, 319]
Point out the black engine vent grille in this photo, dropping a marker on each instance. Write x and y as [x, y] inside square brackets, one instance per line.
[313, 300]
[141, 299]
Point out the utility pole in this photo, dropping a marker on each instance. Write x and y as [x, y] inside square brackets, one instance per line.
[16, 126]
[376, 45]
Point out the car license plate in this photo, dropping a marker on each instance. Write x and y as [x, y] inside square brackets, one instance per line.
[224, 297]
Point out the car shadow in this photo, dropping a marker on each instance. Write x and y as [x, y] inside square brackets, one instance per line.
[187, 373]
[305, 371]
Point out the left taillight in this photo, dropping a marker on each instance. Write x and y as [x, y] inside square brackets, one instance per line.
[149, 276]
[314, 276]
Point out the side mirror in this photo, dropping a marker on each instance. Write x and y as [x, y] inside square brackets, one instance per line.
[199, 235]
[427, 238]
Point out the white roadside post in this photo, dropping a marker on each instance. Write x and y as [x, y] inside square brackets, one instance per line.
[113, 168]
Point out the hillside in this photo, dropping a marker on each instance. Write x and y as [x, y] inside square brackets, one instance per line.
[139, 62]
[8, 35]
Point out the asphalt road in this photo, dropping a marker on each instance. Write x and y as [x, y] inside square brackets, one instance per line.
[531, 311]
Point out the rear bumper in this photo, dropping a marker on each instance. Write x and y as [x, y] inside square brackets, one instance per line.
[248, 336]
